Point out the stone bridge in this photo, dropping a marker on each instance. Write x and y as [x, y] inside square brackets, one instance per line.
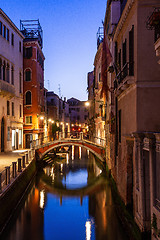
[47, 146]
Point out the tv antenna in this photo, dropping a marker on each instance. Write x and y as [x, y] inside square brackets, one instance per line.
[59, 90]
[48, 84]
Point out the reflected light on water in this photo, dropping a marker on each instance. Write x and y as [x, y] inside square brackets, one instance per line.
[72, 152]
[41, 202]
[88, 230]
[80, 152]
[67, 158]
[88, 153]
[61, 167]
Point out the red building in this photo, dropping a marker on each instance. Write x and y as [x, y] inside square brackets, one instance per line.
[34, 106]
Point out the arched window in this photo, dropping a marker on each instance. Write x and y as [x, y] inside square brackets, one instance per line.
[4, 71]
[7, 73]
[0, 68]
[28, 98]
[12, 75]
[28, 75]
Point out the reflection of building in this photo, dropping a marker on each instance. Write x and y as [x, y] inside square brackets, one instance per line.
[11, 85]
[34, 91]
[78, 112]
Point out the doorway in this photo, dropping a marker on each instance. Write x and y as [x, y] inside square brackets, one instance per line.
[28, 140]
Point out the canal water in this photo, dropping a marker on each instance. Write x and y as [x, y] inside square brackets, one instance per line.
[70, 199]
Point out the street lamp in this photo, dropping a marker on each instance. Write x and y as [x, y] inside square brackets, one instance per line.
[87, 104]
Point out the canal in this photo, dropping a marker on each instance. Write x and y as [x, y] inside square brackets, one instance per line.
[69, 199]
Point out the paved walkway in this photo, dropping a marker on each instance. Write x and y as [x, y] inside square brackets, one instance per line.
[6, 159]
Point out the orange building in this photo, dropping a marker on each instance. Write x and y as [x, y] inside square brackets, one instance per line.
[33, 84]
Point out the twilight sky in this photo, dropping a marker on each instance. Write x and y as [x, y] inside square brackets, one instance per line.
[69, 39]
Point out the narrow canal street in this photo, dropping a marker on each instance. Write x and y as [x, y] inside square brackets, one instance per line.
[69, 199]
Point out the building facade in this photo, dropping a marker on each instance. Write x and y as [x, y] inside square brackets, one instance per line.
[11, 85]
[135, 87]
[78, 113]
[34, 109]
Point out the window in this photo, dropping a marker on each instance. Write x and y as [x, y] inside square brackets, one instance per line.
[12, 39]
[8, 133]
[28, 52]
[12, 75]
[7, 34]
[28, 98]
[20, 111]
[115, 53]
[119, 118]
[0, 28]
[4, 31]
[8, 108]
[27, 75]
[131, 52]
[28, 119]
[7, 73]
[20, 82]
[124, 52]
[20, 137]
[19, 46]
[12, 108]
[4, 71]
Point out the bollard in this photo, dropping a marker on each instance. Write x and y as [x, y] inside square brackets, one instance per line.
[14, 168]
[27, 158]
[29, 155]
[9, 179]
[23, 161]
[6, 175]
[19, 165]
[81, 135]
[0, 182]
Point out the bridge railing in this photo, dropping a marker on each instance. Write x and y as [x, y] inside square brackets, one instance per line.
[66, 135]
[100, 141]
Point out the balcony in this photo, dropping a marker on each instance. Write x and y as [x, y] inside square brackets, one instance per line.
[6, 88]
[124, 78]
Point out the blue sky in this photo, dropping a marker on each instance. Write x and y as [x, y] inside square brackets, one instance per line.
[69, 39]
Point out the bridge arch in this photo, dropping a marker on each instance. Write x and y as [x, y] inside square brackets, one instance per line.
[96, 150]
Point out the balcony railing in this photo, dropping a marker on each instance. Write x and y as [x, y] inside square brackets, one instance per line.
[6, 87]
[127, 70]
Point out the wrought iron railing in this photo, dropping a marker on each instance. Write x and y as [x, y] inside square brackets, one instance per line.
[127, 70]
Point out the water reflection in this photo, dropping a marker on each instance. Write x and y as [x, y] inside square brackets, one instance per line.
[70, 199]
